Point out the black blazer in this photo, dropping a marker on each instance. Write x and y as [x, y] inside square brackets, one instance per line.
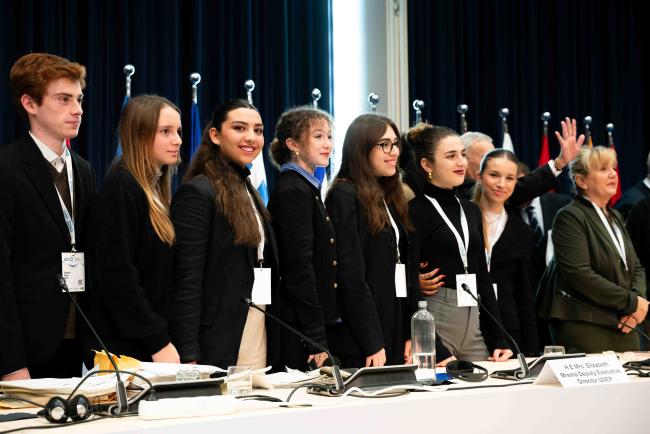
[308, 260]
[510, 269]
[551, 203]
[638, 226]
[33, 233]
[630, 197]
[211, 276]
[130, 270]
[373, 317]
[528, 187]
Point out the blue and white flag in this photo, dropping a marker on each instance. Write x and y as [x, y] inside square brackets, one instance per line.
[195, 130]
[118, 151]
[258, 177]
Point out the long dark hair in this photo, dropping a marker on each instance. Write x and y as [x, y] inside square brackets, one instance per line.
[362, 136]
[231, 194]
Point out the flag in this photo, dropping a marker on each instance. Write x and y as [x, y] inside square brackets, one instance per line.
[619, 191]
[195, 130]
[544, 152]
[118, 151]
[507, 142]
[323, 177]
[67, 143]
[258, 177]
[590, 143]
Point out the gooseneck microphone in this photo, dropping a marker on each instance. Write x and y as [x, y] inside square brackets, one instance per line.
[122, 401]
[340, 387]
[568, 296]
[524, 372]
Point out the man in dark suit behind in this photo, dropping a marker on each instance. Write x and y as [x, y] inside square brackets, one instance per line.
[539, 214]
[45, 193]
[634, 194]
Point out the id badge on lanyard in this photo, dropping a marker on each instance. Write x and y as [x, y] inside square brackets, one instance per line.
[400, 269]
[73, 264]
[261, 293]
[463, 298]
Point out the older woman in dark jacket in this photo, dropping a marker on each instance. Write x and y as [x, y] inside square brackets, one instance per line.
[595, 265]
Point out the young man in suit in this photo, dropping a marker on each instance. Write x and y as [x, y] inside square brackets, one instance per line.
[45, 193]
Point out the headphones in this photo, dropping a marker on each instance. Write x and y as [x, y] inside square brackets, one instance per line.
[464, 370]
[59, 410]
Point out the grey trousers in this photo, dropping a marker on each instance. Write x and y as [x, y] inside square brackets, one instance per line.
[457, 327]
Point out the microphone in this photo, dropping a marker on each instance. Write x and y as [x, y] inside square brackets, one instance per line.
[340, 387]
[122, 401]
[568, 296]
[524, 372]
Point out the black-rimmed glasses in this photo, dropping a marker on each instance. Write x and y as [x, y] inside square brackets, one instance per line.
[387, 146]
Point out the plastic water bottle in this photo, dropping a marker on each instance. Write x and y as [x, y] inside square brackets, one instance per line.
[423, 341]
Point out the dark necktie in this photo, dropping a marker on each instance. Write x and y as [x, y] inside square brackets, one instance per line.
[534, 223]
[61, 183]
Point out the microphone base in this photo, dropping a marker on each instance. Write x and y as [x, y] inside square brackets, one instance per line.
[373, 378]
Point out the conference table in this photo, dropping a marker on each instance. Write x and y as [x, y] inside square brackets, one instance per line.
[504, 407]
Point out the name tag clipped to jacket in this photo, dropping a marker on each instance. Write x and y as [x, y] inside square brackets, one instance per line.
[73, 267]
[400, 281]
[262, 286]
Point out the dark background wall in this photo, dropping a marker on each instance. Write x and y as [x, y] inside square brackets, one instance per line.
[283, 45]
[568, 57]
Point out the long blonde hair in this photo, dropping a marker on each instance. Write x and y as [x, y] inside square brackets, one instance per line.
[137, 129]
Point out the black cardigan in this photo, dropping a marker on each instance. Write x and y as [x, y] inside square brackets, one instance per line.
[129, 269]
[510, 269]
[308, 263]
[435, 243]
[211, 276]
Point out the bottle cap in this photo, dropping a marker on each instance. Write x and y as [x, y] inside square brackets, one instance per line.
[422, 304]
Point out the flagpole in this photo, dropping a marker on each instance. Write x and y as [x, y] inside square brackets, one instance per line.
[546, 116]
[610, 134]
[587, 122]
[462, 111]
[418, 105]
[128, 70]
[373, 100]
[195, 79]
[503, 114]
[249, 85]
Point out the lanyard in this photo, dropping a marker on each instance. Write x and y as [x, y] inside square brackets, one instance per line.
[462, 247]
[395, 228]
[618, 239]
[69, 221]
[260, 246]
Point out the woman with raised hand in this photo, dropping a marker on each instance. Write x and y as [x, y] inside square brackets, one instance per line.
[304, 230]
[225, 249]
[131, 236]
[509, 242]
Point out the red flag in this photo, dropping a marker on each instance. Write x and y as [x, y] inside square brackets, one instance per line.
[67, 143]
[619, 191]
[544, 153]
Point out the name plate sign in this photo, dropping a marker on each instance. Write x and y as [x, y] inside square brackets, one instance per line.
[584, 371]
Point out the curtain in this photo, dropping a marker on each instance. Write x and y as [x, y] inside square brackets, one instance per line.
[283, 45]
[569, 57]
